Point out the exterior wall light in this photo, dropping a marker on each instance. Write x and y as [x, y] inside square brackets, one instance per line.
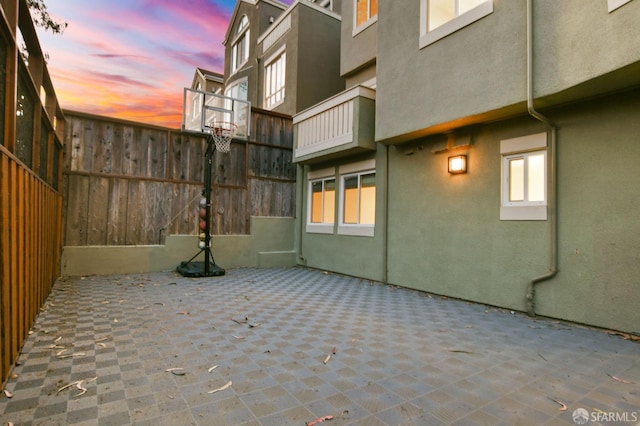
[458, 164]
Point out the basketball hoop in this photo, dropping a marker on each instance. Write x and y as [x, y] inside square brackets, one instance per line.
[222, 132]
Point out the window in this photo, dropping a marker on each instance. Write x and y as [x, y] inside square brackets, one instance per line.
[524, 178]
[366, 13]
[274, 79]
[322, 201]
[358, 199]
[240, 48]
[614, 4]
[327, 4]
[238, 90]
[439, 18]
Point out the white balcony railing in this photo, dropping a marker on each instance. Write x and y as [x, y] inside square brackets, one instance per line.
[329, 124]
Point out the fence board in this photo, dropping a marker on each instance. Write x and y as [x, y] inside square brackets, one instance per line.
[117, 208]
[97, 215]
[132, 236]
[15, 259]
[77, 196]
[5, 259]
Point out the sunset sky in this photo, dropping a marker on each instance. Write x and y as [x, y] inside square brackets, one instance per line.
[131, 59]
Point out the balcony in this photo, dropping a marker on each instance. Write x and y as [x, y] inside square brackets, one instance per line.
[340, 126]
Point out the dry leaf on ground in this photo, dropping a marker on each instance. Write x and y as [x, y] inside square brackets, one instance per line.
[319, 420]
[563, 406]
[228, 385]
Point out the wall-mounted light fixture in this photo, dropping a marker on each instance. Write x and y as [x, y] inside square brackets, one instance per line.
[458, 164]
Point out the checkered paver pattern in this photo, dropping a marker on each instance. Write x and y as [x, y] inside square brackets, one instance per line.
[401, 357]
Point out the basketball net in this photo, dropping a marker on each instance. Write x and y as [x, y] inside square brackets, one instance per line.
[222, 133]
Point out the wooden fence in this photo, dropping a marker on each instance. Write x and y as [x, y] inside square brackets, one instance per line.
[31, 124]
[132, 184]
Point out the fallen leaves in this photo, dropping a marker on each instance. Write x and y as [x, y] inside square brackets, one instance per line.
[319, 420]
[563, 406]
[177, 371]
[618, 379]
[79, 385]
[73, 355]
[625, 336]
[227, 386]
[333, 352]
[327, 417]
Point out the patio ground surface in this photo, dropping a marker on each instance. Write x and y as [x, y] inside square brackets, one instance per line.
[295, 345]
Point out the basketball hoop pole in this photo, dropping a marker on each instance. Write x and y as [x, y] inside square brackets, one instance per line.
[207, 195]
[209, 267]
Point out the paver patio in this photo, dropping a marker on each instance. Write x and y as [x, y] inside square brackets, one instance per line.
[401, 357]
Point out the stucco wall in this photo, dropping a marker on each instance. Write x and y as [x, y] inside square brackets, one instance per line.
[359, 50]
[270, 244]
[574, 43]
[318, 63]
[352, 255]
[445, 235]
[477, 69]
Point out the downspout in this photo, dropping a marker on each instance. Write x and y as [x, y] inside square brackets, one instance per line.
[552, 165]
[299, 210]
[385, 247]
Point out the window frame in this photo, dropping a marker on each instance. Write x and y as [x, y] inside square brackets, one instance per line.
[236, 87]
[366, 24]
[516, 148]
[323, 176]
[358, 169]
[242, 40]
[458, 22]
[270, 98]
[615, 4]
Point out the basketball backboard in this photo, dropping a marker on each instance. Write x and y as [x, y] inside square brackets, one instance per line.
[201, 110]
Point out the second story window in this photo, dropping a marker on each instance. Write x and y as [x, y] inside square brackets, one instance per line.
[439, 18]
[442, 11]
[274, 81]
[240, 48]
[366, 10]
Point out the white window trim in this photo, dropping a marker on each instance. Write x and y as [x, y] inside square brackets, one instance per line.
[357, 29]
[359, 168]
[234, 46]
[614, 4]
[236, 84]
[524, 210]
[275, 57]
[428, 37]
[313, 176]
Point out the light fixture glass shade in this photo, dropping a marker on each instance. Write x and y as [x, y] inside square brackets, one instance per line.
[458, 164]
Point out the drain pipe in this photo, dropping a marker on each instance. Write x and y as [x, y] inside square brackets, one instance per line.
[552, 165]
[385, 247]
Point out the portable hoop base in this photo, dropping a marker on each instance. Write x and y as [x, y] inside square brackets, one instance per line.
[198, 270]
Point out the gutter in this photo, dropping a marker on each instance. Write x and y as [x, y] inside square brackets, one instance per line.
[552, 170]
